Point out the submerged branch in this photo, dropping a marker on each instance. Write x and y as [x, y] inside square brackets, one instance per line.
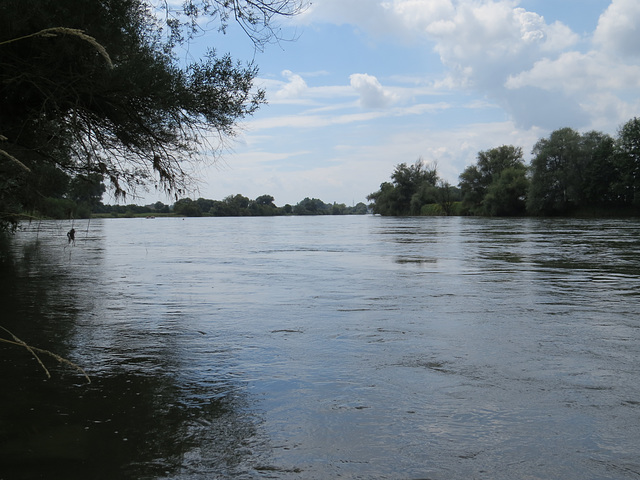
[33, 350]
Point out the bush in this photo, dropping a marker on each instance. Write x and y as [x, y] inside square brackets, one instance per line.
[432, 210]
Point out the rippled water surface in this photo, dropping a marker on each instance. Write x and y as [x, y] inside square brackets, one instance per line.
[323, 347]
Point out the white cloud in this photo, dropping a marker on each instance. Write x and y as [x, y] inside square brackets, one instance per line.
[574, 72]
[318, 118]
[558, 37]
[618, 30]
[576, 89]
[418, 14]
[609, 111]
[485, 45]
[371, 92]
[484, 42]
[293, 89]
[367, 14]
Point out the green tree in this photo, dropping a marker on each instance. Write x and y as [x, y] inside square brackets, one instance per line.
[409, 181]
[204, 204]
[338, 209]
[44, 192]
[311, 206]
[263, 205]
[412, 186]
[553, 188]
[237, 205]
[86, 191]
[265, 200]
[507, 195]
[161, 207]
[627, 162]
[477, 181]
[447, 196]
[220, 209]
[86, 188]
[427, 194]
[95, 87]
[383, 201]
[600, 174]
[187, 208]
[360, 208]
[474, 189]
[572, 173]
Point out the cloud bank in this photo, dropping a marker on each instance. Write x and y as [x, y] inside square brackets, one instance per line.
[541, 73]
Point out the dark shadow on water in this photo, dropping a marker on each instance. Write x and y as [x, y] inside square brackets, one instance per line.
[125, 424]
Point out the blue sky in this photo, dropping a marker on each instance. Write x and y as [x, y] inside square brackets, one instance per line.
[368, 84]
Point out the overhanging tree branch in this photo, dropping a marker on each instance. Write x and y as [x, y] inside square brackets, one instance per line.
[125, 108]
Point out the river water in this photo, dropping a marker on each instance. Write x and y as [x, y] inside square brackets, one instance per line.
[355, 347]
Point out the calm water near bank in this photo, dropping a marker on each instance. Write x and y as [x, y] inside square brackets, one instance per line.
[323, 347]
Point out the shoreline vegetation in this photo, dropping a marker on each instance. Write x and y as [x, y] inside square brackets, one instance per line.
[570, 174]
[590, 175]
[231, 206]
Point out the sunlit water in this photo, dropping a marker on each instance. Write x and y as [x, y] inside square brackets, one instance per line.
[323, 347]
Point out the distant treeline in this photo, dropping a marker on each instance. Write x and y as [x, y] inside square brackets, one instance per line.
[231, 206]
[589, 174]
[571, 174]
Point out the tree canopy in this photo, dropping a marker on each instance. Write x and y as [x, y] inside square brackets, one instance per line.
[413, 187]
[626, 185]
[496, 184]
[569, 174]
[96, 88]
[240, 206]
[572, 171]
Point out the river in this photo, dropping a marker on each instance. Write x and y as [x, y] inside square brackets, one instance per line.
[356, 347]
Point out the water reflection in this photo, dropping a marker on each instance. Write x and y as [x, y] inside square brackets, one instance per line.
[144, 415]
[121, 426]
[326, 347]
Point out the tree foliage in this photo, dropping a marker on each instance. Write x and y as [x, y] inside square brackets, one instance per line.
[95, 88]
[599, 173]
[572, 172]
[240, 206]
[311, 206]
[413, 186]
[627, 162]
[496, 184]
[553, 186]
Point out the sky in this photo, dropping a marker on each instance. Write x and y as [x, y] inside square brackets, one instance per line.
[367, 84]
